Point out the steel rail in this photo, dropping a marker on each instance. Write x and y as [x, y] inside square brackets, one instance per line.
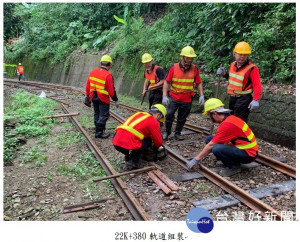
[235, 191]
[263, 159]
[46, 85]
[130, 201]
[277, 165]
[238, 193]
[132, 204]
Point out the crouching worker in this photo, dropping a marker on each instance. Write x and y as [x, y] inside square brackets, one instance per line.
[136, 134]
[234, 143]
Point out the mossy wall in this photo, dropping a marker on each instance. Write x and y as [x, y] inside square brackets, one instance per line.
[274, 121]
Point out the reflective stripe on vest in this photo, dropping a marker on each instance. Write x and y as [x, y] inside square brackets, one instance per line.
[183, 82]
[236, 79]
[246, 130]
[98, 83]
[129, 125]
[150, 77]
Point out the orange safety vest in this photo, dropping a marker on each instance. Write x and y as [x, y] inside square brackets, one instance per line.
[132, 121]
[151, 77]
[246, 130]
[98, 83]
[183, 82]
[20, 69]
[236, 79]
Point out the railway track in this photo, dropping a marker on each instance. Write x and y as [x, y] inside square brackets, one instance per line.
[263, 159]
[132, 204]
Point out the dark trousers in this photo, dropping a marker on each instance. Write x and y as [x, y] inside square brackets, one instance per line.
[155, 97]
[21, 76]
[239, 105]
[230, 155]
[135, 155]
[101, 113]
[183, 112]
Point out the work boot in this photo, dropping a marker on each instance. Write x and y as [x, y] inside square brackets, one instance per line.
[133, 165]
[178, 136]
[230, 171]
[100, 134]
[165, 136]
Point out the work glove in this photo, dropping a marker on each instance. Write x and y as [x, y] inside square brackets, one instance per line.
[117, 104]
[221, 71]
[191, 163]
[253, 105]
[165, 101]
[87, 101]
[201, 100]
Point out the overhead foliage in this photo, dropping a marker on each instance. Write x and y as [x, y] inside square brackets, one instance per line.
[53, 30]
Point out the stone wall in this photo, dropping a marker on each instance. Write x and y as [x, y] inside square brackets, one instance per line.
[274, 121]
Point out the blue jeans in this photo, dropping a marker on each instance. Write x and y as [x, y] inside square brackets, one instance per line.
[230, 155]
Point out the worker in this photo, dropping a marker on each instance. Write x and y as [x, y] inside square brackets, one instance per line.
[20, 71]
[234, 143]
[182, 78]
[244, 79]
[136, 134]
[154, 80]
[99, 87]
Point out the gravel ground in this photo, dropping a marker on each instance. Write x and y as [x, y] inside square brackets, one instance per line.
[159, 206]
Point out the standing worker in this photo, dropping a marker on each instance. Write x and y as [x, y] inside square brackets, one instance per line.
[99, 87]
[20, 71]
[182, 78]
[136, 134]
[244, 79]
[154, 76]
[234, 143]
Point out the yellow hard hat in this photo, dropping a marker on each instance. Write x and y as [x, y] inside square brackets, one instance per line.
[106, 58]
[19, 64]
[146, 58]
[242, 48]
[188, 51]
[162, 109]
[212, 104]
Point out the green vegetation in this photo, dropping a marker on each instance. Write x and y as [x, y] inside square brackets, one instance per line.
[85, 168]
[10, 144]
[35, 156]
[54, 30]
[206, 188]
[26, 114]
[27, 110]
[69, 138]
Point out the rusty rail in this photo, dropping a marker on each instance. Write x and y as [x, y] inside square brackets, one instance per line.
[277, 165]
[235, 191]
[238, 193]
[149, 168]
[62, 115]
[263, 159]
[84, 206]
[229, 187]
[132, 204]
